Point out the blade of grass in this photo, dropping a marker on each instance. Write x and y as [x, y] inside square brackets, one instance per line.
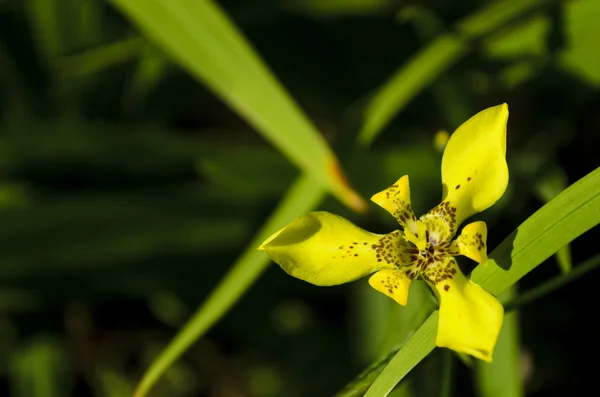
[88, 22]
[39, 369]
[199, 36]
[408, 81]
[553, 284]
[303, 196]
[151, 68]
[410, 354]
[434, 60]
[567, 216]
[97, 59]
[554, 182]
[45, 21]
[447, 375]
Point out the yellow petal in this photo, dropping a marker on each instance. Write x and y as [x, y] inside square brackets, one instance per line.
[470, 317]
[393, 283]
[326, 249]
[472, 242]
[418, 239]
[474, 170]
[396, 200]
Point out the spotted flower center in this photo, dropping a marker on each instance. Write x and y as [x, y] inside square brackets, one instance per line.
[427, 258]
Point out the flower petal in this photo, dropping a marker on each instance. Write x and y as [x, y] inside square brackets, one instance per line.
[393, 283]
[396, 200]
[470, 317]
[474, 170]
[326, 249]
[472, 242]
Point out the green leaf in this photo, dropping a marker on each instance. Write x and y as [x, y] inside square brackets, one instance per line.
[39, 369]
[567, 216]
[582, 30]
[413, 351]
[199, 36]
[408, 81]
[46, 23]
[88, 21]
[303, 196]
[433, 60]
[527, 38]
[553, 284]
[336, 8]
[98, 59]
[151, 67]
[447, 374]
[502, 377]
[547, 187]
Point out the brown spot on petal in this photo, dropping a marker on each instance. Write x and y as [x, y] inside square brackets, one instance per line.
[446, 288]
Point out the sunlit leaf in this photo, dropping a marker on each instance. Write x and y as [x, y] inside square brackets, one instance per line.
[201, 37]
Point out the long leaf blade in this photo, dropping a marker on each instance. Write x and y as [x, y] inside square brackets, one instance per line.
[432, 61]
[199, 36]
[303, 196]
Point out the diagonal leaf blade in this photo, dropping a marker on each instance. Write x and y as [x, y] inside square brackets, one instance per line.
[433, 60]
[303, 196]
[199, 36]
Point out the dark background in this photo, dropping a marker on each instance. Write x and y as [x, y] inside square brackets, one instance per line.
[126, 195]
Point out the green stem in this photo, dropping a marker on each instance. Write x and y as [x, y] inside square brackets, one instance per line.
[553, 284]
[448, 371]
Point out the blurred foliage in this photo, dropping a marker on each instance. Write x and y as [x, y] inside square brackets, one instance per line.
[128, 189]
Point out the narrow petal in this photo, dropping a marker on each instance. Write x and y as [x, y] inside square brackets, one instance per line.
[470, 317]
[326, 249]
[393, 283]
[474, 170]
[472, 242]
[396, 200]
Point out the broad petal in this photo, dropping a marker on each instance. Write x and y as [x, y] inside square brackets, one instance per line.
[472, 242]
[393, 283]
[396, 200]
[326, 249]
[474, 170]
[470, 317]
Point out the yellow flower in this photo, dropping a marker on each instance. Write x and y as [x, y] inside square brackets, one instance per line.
[326, 249]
